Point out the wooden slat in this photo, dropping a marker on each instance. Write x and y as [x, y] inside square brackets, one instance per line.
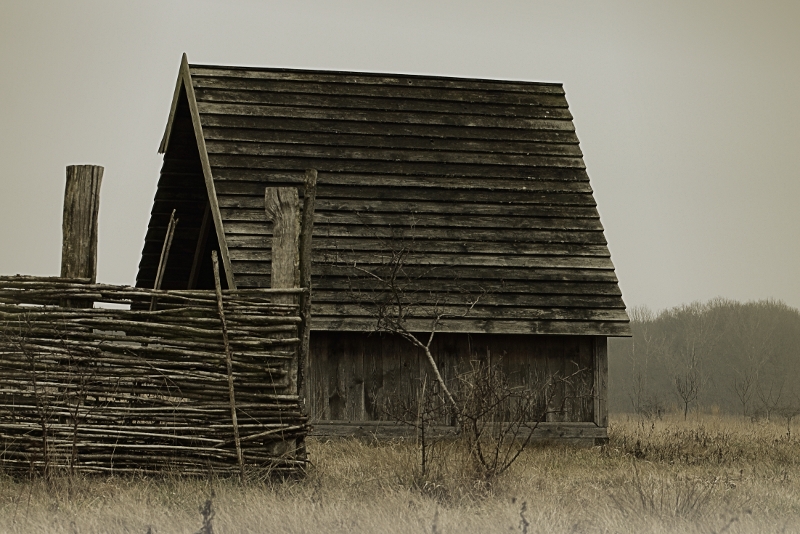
[293, 112]
[272, 164]
[478, 286]
[434, 207]
[428, 144]
[388, 187]
[547, 286]
[420, 131]
[380, 80]
[381, 155]
[245, 93]
[374, 260]
[530, 95]
[246, 269]
[452, 234]
[496, 274]
[485, 296]
[487, 326]
[465, 219]
[456, 272]
[324, 243]
[490, 313]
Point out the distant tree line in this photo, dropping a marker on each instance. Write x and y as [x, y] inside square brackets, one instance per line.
[740, 358]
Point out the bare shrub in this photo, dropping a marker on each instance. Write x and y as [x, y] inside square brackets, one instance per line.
[497, 420]
[494, 419]
[650, 494]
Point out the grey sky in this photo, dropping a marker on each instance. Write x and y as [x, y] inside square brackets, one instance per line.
[688, 115]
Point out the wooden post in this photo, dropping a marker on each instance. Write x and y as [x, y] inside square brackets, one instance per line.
[306, 231]
[162, 262]
[79, 229]
[229, 363]
[282, 205]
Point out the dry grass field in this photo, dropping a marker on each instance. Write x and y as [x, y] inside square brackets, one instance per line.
[708, 474]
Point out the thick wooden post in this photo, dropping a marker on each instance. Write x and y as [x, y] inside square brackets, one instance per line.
[306, 231]
[79, 230]
[282, 205]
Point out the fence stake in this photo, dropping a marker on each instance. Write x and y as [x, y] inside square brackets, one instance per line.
[162, 262]
[229, 361]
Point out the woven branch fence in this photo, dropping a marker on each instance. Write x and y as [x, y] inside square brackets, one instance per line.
[132, 390]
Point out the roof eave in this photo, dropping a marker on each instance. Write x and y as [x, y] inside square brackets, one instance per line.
[184, 68]
[185, 82]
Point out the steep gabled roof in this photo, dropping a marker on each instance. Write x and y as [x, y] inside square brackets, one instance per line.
[481, 181]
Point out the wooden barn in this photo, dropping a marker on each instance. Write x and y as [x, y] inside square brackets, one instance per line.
[475, 191]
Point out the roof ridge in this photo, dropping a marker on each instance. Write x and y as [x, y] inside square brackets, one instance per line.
[375, 74]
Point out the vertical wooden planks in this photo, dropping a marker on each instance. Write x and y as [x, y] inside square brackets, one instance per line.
[79, 228]
[555, 371]
[354, 378]
[336, 399]
[373, 379]
[304, 267]
[601, 381]
[586, 381]
[392, 371]
[318, 377]
[358, 376]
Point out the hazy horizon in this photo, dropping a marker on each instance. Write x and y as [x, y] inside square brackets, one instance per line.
[687, 114]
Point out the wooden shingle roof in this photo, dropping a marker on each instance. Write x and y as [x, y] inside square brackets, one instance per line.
[484, 179]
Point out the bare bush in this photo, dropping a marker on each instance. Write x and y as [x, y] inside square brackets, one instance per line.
[650, 494]
[495, 419]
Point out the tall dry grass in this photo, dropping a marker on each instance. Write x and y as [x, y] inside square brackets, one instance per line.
[708, 474]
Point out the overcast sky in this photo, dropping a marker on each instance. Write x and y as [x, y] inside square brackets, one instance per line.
[688, 115]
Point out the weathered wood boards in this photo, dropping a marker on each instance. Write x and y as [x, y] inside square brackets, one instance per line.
[483, 179]
[79, 229]
[282, 207]
[360, 377]
[117, 390]
[306, 259]
[575, 433]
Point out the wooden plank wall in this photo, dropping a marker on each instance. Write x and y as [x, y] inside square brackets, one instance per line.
[365, 377]
[485, 178]
[181, 187]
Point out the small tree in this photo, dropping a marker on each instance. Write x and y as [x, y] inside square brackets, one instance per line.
[695, 332]
[687, 387]
[769, 396]
[647, 345]
[789, 409]
[496, 420]
[744, 386]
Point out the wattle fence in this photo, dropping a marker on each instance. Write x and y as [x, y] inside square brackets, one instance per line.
[190, 382]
